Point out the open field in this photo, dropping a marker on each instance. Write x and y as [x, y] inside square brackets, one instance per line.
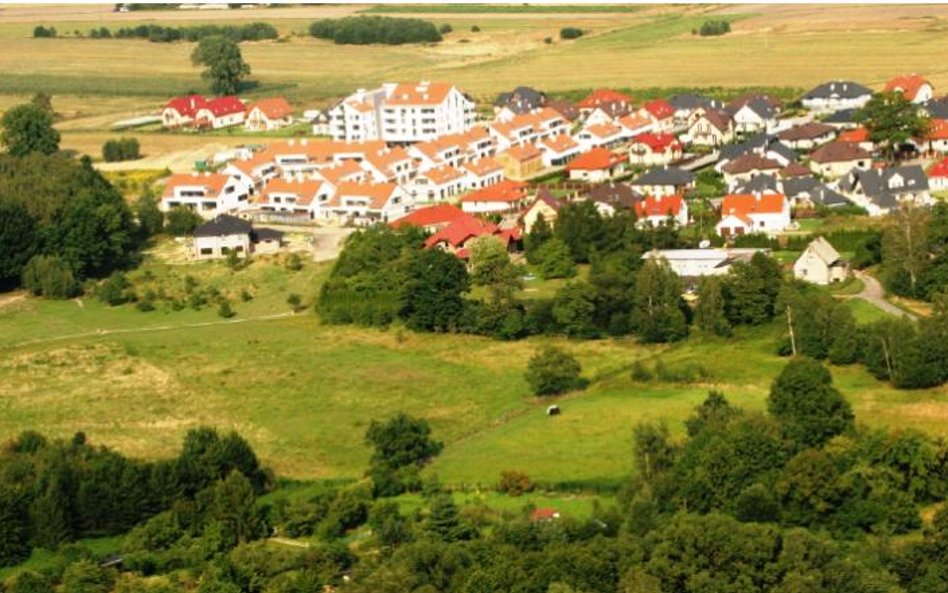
[303, 393]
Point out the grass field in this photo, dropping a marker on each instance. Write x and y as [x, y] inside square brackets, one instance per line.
[303, 393]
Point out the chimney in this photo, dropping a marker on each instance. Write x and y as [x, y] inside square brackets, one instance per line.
[304, 141]
[291, 142]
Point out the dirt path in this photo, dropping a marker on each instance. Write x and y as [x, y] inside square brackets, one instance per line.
[11, 299]
[139, 330]
[874, 294]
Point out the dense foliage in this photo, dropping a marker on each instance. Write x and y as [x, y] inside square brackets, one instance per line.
[28, 128]
[157, 33]
[44, 32]
[552, 371]
[914, 251]
[65, 212]
[123, 149]
[223, 63]
[713, 28]
[366, 30]
[571, 33]
[892, 119]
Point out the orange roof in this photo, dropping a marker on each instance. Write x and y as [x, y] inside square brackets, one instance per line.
[634, 121]
[665, 206]
[443, 174]
[940, 169]
[907, 85]
[524, 152]
[505, 191]
[484, 166]
[213, 182]
[432, 215]
[378, 193]
[658, 142]
[659, 108]
[595, 159]
[860, 134]
[247, 166]
[459, 230]
[386, 158]
[603, 130]
[602, 96]
[742, 205]
[559, 143]
[273, 108]
[345, 171]
[937, 129]
[305, 190]
[421, 93]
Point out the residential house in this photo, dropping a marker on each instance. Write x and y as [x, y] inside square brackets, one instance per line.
[938, 175]
[937, 108]
[566, 109]
[389, 164]
[438, 184]
[807, 136]
[843, 119]
[429, 218]
[881, 191]
[635, 124]
[402, 113]
[269, 114]
[503, 197]
[652, 149]
[180, 111]
[913, 87]
[521, 162]
[220, 112]
[837, 159]
[937, 138]
[836, 95]
[545, 205]
[301, 198]
[747, 166]
[612, 197]
[710, 127]
[820, 263]
[483, 172]
[611, 100]
[664, 181]
[206, 194]
[254, 172]
[320, 121]
[661, 113]
[753, 116]
[659, 211]
[607, 135]
[691, 264]
[527, 128]
[224, 234]
[858, 136]
[363, 203]
[522, 99]
[558, 150]
[687, 104]
[596, 165]
[743, 214]
[763, 144]
[458, 235]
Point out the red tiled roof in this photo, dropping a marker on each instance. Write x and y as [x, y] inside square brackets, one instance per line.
[484, 166]
[751, 162]
[858, 135]
[595, 159]
[524, 152]
[660, 108]
[668, 205]
[378, 193]
[807, 131]
[603, 96]
[304, 190]
[838, 152]
[543, 514]
[213, 182]
[421, 93]
[657, 142]
[908, 85]
[188, 105]
[225, 105]
[505, 191]
[273, 108]
[432, 215]
[460, 230]
[940, 169]
[794, 170]
[937, 130]
[743, 204]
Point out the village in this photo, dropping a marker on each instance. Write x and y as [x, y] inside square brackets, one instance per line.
[417, 153]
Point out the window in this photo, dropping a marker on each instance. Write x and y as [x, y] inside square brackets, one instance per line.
[207, 251]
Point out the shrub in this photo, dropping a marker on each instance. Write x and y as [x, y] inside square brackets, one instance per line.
[50, 276]
[552, 371]
[123, 149]
[145, 305]
[181, 221]
[547, 40]
[475, 29]
[44, 32]
[294, 262]
[295, 302]
[514, 483]
[112, 291]
[640, 372]
[571, 33]
[365, 30]
[225, 310]
[445, 29]
[714, 28]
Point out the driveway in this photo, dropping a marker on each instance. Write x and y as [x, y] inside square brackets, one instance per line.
[874, 294]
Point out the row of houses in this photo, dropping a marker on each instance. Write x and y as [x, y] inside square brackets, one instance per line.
[196, 111]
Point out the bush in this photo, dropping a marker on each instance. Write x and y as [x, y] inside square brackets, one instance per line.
[445, 29]
[571, 33]
[182, 221]
[296, 302]
[552, 371]
[714, 28]
[514, 483]
[123, 149]
[50, 276]
[44, 32]
[365, 30]
[554, 260]
[225, 310]
[475, 29]
[159, 34]
[548, 40]
[640, 372]
[112, 291]
[294, 262]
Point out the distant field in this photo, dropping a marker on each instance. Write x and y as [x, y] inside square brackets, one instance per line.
[498, 9]
[303, 393]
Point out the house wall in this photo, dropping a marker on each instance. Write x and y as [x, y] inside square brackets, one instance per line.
[218, 247]
[831, 105]
[539, 207]
[837, 170]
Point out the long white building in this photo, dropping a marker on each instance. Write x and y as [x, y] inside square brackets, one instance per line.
[402, 113]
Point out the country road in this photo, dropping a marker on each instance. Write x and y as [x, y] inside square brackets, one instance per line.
[874, 294]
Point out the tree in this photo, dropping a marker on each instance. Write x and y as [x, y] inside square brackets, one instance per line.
[491, 266]
[151, 219]
[432, 294]
[750, 290]
[44, 101]
[444, 520]
[653, 450]
[51, 277]
[540, 233]
[709, 314]
[28, 128]
[401, 445]
[181, 221]
[657, 314]
[574, 307]
[235, 507]
[85, 576]
[551, 371]
[553, 260]
[14, 545]
[891, 120]
[29, 581]
[809, 409]
[223, 64]
[20, 240]
[581, 227]
[905, 254]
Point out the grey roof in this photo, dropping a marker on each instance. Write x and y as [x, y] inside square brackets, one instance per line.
[690, 101]
[758, 184]
[223, 225]
[838, 89]
[799, 185]
[665, 176]
[843, 116]
[937, 108]
[878, 186]
[759, 143]
[828, 197]
[617, 195]
[259, 235]
[760, 107]
[823, 250]
[521, 100]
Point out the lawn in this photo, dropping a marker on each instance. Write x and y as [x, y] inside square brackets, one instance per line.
[303, 393]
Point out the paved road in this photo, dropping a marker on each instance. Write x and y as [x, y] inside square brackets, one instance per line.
[874, 294]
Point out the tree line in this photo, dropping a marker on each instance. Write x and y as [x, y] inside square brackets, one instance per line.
[366, 30]
[256, 31]
[914, 251]
[122, 149]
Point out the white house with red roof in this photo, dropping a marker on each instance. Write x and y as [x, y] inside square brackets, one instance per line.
[438, 184]
[837, 159]
[506, 196]
[605, 98]
[596, 165]
[606, 135]
[655, 211]
[483, 172]
[938, 175]
[652, 148]
[635, 124]
[430, 218]
[660, 112]
[255, 172]
[206, 194]
[221, 112]
[458, 235]
[269, 114]
[402, 113]
[558, 150]
[181, 111]
[389, 164]
[936, 140]
[913, 87]
[743, 214]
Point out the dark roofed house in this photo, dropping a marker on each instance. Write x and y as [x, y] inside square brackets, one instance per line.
[522, 99]
[844, 118]
[224, 234]
[757, 114]
[613, 197]
[664, 181]
[760, 184]
[565, 108]
[937, 108]
[880, 191]
[839, 158]
[808, 135]
[762, 144]
[836, 95]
